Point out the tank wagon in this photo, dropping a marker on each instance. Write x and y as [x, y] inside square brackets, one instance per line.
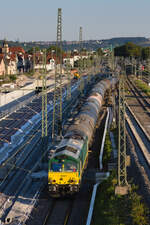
[67, 163]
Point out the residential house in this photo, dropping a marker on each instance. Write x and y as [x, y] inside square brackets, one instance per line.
[2, 65]
[50, 61]
[19, 54]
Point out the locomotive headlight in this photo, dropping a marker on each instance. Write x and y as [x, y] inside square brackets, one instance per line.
[70, 180]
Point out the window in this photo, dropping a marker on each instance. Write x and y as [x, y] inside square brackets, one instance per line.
[70, 167]
[68, 148]
[56, 167]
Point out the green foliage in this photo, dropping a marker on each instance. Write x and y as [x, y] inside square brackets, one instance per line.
[111, 209]
[132, 50]
[99, 52]
[146, 53]
[84, 63]
[138, 211]
[128, 50]
[12, 77]
[31, 50]
[107, 149]
[144, 87]
[53, 49]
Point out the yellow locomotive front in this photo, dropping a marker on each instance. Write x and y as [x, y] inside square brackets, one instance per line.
[63, 176]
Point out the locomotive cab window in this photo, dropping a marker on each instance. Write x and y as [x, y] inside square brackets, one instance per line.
[70, 167]
[68, 148]
[56, 167]
[63, 165]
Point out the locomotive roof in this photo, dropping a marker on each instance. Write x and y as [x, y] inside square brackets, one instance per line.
[69, 147]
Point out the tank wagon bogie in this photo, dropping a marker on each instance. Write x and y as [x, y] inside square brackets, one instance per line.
[67, 164]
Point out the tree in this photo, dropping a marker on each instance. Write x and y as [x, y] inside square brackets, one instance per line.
[128, 50]
[99, 52]
[146, 53]
[31, 50]
[55, 49]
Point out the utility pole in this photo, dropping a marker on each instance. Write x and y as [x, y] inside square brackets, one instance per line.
[68, 67]
[44, 99]
[122, 187]
[33, 60]
[97, 63]
[112, 61]
[89, 72]
[134, 67]
[57, 102]
[81, 86]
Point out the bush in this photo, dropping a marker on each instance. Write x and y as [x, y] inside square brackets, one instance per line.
[111, 209]
[107, 149]
[144, 87]
[12, 77]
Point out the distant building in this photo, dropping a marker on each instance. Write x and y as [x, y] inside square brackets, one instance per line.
[69, 60]
[50, 61]
[2, 65]
[9, 56]
[28, 63]
[5, 49]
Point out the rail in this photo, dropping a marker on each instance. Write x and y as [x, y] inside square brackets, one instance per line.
[9, 216]
[140, 135]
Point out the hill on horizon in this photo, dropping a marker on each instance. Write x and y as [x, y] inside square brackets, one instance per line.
[87, 44]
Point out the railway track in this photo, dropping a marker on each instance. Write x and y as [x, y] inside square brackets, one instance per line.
[139, 143]
[59, 212]
[11, 190]
[139, 103]
[141, 97]
[133, 115]
[138, 131]
[20, 172]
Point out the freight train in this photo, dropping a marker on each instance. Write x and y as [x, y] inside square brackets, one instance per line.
[67, 163]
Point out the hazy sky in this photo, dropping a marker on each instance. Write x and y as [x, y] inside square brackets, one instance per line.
[29, 20]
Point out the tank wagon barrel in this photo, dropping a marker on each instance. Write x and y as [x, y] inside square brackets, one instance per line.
[67, 164]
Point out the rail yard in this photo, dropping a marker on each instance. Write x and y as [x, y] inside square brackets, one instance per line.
[78, 129]
[24, 172]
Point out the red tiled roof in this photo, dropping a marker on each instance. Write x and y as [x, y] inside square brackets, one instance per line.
[12, 57]
[16, 50]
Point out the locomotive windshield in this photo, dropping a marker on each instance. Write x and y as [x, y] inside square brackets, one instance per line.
[63, 166]
[56, 167]
[70, 167]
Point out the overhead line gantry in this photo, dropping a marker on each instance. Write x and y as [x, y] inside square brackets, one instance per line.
[57, 102]
[81, 86]
[122, 186]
